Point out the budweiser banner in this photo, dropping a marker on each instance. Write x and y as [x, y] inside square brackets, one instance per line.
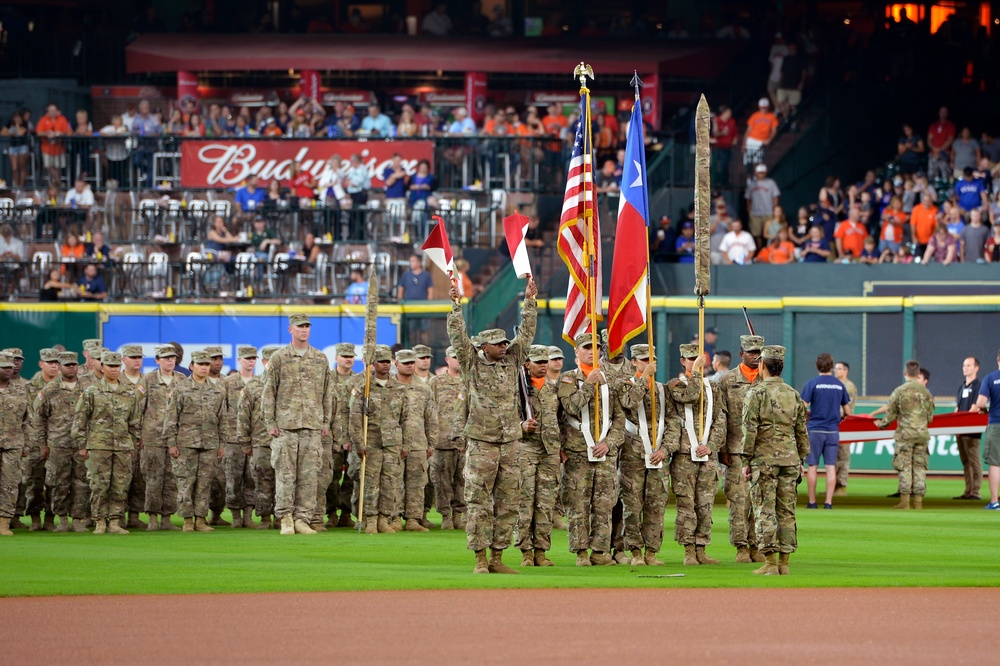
[227, 163]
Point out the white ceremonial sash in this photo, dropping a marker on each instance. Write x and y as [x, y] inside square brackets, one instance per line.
[689, 422]
[644, 428]
[588, 435]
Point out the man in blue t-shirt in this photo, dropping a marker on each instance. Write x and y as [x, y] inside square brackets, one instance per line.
[415, 284]
[250, 197]
[394, 176]
[989, 391]
[828, 402]
[971, 193]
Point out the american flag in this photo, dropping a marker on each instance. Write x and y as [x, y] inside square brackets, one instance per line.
[574, 246]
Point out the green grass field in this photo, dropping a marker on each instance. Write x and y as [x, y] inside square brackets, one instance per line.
[860, 543]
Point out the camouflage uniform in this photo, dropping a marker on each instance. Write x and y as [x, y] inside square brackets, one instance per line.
[844, 452]
[36, 492]
[618, 371]
[14, 432]
[155, 461]
[539, 455]
[492, 472]
[913, 406]
[65, 468]
[194, 426]
[558, 512]
[251, 431]
[217, 496]
[341, 487]
[137, 488]
[449, 453]
[298, 401]
[775, 444]
[239, 469]
[107, 424]
[420, 433]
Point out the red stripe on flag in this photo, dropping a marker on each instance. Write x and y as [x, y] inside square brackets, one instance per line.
[627, 296]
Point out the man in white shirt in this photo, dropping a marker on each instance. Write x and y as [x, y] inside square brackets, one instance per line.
[81, 195]
[737, 246]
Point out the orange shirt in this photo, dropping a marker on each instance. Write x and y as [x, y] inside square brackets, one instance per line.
[46, 125]
[761, 124]
[852, 237]
[893, 232]
[923, 220]
[493, 128]
[782, 253]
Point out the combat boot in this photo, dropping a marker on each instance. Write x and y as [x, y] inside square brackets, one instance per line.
[918, 502]
[482, 566]
[743, 555]
[582, 560]
[5, 527]
[527, 558]
[115, 527]
[460, 521]
[426, 523]
[265, 523]
[248, 518]
[770, 567]
[783, 564]
[558, 522]
[16, 524]
[152, 526]
[703, 557]
[216, 519]
[201, 525]
[134, 522]
[100, 526]
[637, 559]
[541, 560]
[599, 559]
[651, 559]
[63, 524]
[383, 525]
[237, 519]
[188, 525]
[496, 564]
[413, 525]
[287, 525]
[166, 524]
[50, 523]
[302, 527]
[756, 555]
[621, 557]
[318, 526]
[370, 526]
[345, 519]
[690, 556]
[396, 524]
[447, 523]
[79, 525]
[904, 501]
[36, 524]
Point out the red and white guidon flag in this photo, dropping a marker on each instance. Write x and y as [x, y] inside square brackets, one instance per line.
[861, 428]
[438, 249]
[515, 227]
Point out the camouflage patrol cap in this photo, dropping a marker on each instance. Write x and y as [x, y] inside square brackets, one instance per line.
[751, 342]
[494, 336]
[775, 352]
[14, 352]
[406, 356]
[163, 351]
[299, 319]
[68, 358]
[246, 351]
[451, 352]
[199, 357]
[97, 353]
[689, 351]
[422, 351]
[91, 343]
[111, 358]
[213, 351]
[6, 360]
[267, 351]
[640, 352]
[476, 341]
[555, 352]
[346, 349]
[48, 355]
[131, 350]
[583, 340]
[538, 354]
[382, 353]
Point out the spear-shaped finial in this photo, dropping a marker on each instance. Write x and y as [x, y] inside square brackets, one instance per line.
[637, 82]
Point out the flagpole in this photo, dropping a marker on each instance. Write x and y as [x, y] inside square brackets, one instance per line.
[582, 71]
[702, 194]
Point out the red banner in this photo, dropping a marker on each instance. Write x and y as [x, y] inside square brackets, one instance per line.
[651, 100]
[309, 82]
[187, 88]
[228, 162]
[862, 428]
[475, 95]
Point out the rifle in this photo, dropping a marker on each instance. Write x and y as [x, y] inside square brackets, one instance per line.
[746, 316]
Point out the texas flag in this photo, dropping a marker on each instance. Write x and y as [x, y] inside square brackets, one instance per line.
[515, 227]
[629, 276]
[438, 249]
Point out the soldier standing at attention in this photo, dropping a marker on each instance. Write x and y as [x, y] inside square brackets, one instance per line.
[106, 429]
[420, 434]
[695, 482]
[159, 387]
[132, 376]
[556, 360]
[256, 442]
[238, 465]
[14, 430]
[841, 370]
[422, 369]
[387, 415]
[91, 356]
[912, 406]
[65, 469]
[589, 492]
[217, 503]
[341, 487]
[449, 454]
[775, 444]
[539, 455]
[298, 404]
[733, 386]
[33, 475]
[194, 427]
[492, 471]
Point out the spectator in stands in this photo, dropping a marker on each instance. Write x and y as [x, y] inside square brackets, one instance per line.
[762, 196]
[923, 221]
[54, 284]
[11, 249]
[92, 287]
[970, 191]
[816, 249]
[799, 233]
[422, 184]
[894, 221]
[779, 250]
[437, 23]
[940, 136]
[995, 210]
[904, 256]
[16, 133]
[302, 184]
[793, 80]
[954, 219]
[242, 128]
[606, 182]
[376, 123]
[777, 222]
[357, 182]
[249, 197]
[415, 284]
[850, 235]
[870, 254]
[395, 178]
[965, 153]
[331, 183]
[725, 132]
[220, 239]
[51, 130]
[275, 195]
[762, 126]
[718, 227]
[146, 124]
[407, 125]
[342, 123]
[262, 239]
[831, 196]
[992, 254]
[97, 248]
[81, 196]
[990, 146]
[176, 125]
[465, 286]
[216, 124]
[72, 249]
[462, 125]
[737, 246]
[973, 238]
[357, 291]
[684, 246]
[662, 240]
[194, 127]
[116, 152]
[775, 57]
[941, 247]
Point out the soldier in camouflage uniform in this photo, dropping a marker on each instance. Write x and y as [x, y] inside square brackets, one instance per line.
[131, 375]
[159, 388]
[733, 386]
[14, 432]
[420, 435]
[589, 484]
[492, 472]
[91, 356]
[341, 487]
[775, 445]
[388, 411]
[841, 371]
[65, 468]
[26, 465]
[695, 483]
[556, 360]
[106, 429]
[617, 372]
[449, 453]
[298, 410]
[238, 465]
[194, 430]
[644, 484]
[36, 492]
[538, 451]
[912, 405]
[422, 372]
[217, 501]
[252, 435]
